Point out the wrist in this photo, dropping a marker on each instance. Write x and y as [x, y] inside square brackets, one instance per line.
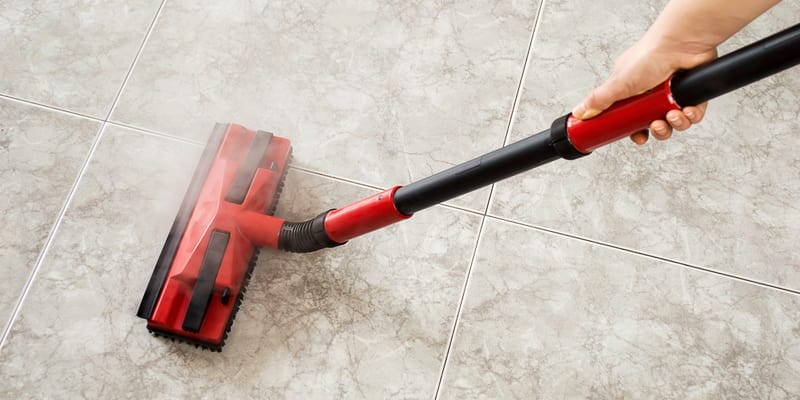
[674, 47]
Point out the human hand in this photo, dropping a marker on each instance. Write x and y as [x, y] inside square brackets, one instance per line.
[642, 67]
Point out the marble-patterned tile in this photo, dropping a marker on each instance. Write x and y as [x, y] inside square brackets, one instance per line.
[551, 317]
[722, 195]
[378, 92]
[370, 319]
[41, 153]
[72, 54]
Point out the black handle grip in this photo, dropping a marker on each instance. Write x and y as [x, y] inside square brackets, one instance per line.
[763, 58]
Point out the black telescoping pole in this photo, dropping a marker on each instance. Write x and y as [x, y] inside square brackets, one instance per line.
[463, 178]
[742, 67]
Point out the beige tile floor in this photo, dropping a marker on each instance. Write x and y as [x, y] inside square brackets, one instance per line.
[668, 271]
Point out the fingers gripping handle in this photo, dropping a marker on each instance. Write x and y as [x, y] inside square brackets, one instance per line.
[756, 61]
[621, 120]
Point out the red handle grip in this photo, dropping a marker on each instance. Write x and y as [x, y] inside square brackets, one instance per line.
[622, 119]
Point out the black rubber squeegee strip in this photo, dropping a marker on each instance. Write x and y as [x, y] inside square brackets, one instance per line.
[204, 285]
[247, 170]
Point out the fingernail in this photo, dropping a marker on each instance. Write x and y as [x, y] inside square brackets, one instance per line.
[660, 130]
[590, 113]
[673, 118]
[579, 110]
[689, 113]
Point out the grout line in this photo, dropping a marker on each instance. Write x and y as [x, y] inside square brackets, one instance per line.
[74, 188]
[48, 107]
[158, 134]
[525, 65]
[509, 126]
[647, 255]
[462, 209]
[50, 236]
[336, 178]
[373, 187]
[518, 94]
[70, 113]
[459, 310]
[135, 60]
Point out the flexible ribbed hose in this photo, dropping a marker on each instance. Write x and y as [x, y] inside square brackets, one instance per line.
[306, 236]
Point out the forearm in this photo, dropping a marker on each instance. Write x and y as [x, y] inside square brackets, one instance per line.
[704, 24]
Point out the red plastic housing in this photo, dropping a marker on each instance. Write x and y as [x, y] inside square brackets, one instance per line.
[248, 227]
[622, 119]
[363, 216]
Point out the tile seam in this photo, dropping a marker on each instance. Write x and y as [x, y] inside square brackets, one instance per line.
[135, 60]
[652, 256]
[373, 187]
[157, 134]
[50, 237]
[525, 66]
[518, 93]
[49, 107]
[459, 310]
[509, 126]
[74, 187]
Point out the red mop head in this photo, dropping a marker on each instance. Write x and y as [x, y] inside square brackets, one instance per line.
[202, 272]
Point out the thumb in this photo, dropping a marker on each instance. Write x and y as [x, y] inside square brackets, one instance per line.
[602, 97]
